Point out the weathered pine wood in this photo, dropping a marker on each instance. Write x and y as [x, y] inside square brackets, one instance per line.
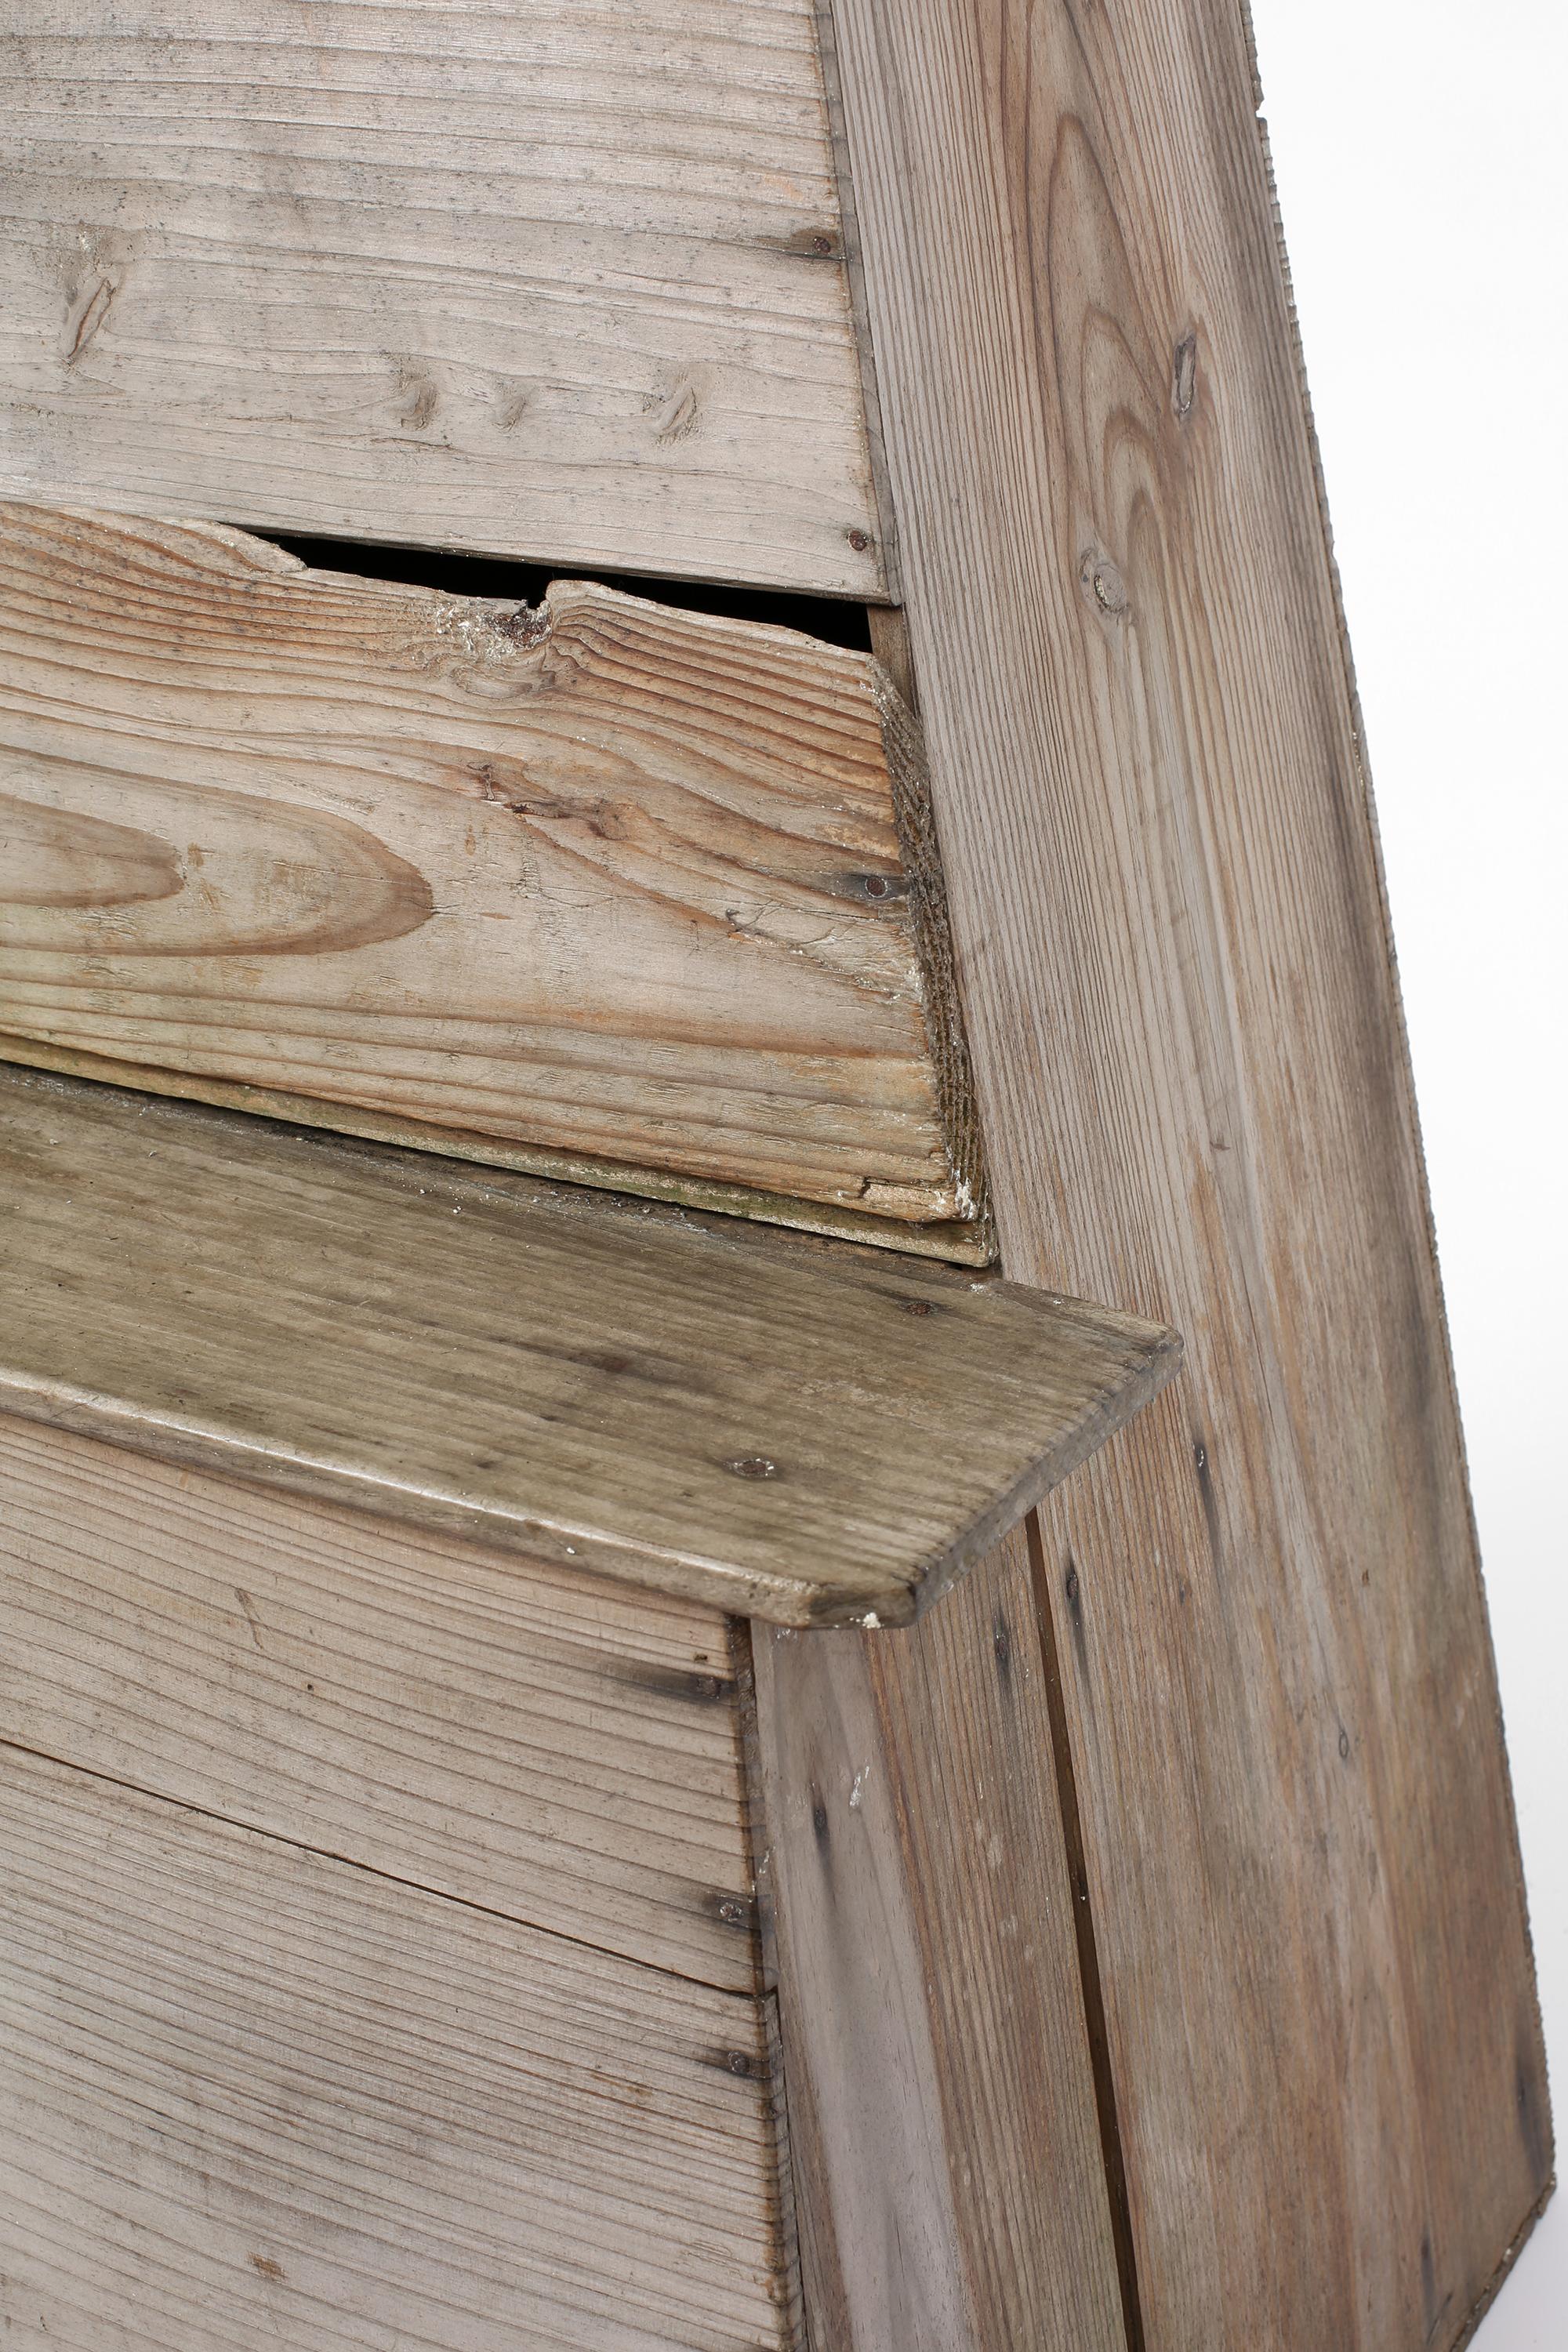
[599, 879]
[543, 1745]
[1172, 953]
[550, 277]
[753, 1420]
[941, 2079]
[253, 2097]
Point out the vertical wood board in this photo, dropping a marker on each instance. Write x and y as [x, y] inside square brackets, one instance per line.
[1174, 957]
[941, 2079]
[600, 878]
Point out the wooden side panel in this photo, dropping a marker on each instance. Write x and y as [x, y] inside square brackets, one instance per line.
[603, 879]
[940, 2078]
[538, 1743]
[560, 278]
[252, 2097]
[1174, 957]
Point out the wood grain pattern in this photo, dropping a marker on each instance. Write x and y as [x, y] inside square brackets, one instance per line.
[1173, 952]
[941, 2092]
[748, 1419]
[543, 1745]
[252, 2097]
[560, 279]
[599, 877]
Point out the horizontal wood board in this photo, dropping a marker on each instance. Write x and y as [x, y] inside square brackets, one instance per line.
[600, 879]
[757, 1421]
[546, 1745]
[964, 1242]
[1174, 956]
[557, 278]
[253, 2097]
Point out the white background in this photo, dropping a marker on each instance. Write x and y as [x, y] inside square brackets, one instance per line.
[1422, 153]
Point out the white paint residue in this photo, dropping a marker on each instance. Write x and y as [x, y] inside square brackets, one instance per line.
[861, 1777]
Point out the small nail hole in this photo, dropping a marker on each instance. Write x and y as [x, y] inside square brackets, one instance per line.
[754, 1465]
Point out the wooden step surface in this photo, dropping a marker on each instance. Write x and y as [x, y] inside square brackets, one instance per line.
[603, 889]
[782, 1426]
[561, 278]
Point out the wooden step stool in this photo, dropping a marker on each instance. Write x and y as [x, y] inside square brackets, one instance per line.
[676, 759]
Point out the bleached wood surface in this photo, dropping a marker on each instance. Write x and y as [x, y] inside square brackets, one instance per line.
[252, 2096]
[560, 278]
[939, 2047]
[600, 881]
[540, 1743]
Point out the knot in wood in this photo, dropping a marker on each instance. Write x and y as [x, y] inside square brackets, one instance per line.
[1102, 583]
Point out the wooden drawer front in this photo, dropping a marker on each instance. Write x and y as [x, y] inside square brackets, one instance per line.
[599, 885]
[252, 2097]
[554, 278]
[540, 1745]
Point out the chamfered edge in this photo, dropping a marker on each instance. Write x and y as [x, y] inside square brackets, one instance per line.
[1152, 1365]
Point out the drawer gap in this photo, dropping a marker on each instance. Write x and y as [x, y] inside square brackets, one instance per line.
[835, 620]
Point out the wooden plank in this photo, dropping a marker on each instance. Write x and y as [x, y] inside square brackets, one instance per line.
[561, 278]
[601, 879]
[545, 1746]
[1172, 952]
[748, 1419]
[253, 2097]
[942, 2082]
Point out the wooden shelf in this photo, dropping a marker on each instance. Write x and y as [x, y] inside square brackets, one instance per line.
[788, 1428]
